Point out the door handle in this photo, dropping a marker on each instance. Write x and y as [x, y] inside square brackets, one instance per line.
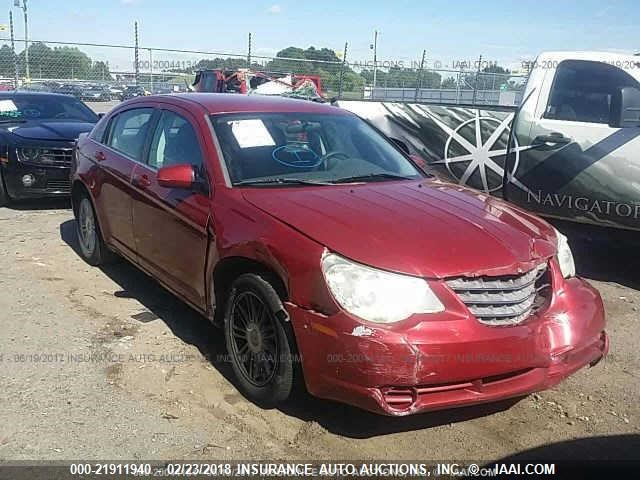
[100, 156]
[554, 138]
[141, 181]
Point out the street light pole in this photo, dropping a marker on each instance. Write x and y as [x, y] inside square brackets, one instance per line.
[16, 3]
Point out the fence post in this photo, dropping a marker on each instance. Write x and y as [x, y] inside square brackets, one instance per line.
[344, 61]
[249, 52]
[136, 58]
[150, 70]
[13, 49]
[475, 86]
[419, 77]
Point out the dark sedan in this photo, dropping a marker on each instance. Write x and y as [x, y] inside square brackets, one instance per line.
[133, 91]
[96, 93]
[37, 136]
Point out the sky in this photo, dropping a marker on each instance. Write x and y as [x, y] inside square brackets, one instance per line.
[501, 31]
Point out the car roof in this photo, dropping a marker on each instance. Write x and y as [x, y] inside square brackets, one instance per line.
[11, 94]
[593, 55]
[216, 103]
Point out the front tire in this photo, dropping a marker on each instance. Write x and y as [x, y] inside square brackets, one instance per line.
[92, 248]
[257, 343]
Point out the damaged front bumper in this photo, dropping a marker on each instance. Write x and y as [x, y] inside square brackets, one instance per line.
[431, 362]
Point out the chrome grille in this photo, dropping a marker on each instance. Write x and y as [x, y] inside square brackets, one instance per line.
[52, 157]
[503, 300]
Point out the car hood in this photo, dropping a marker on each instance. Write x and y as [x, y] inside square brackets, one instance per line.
[427, 228]
[52, 130]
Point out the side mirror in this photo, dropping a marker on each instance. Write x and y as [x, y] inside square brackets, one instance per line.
[625, 108]
[403, 146]
[101, 114]
[177, 176]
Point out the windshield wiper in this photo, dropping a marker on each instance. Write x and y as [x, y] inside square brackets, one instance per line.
[12, 120]
[372, 176]
[280, 181]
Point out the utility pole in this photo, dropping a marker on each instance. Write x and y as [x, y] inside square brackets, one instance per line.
[23, 6]
[135, 53]
[475, 87]
[342, 67]
[419, 77]
[151, 70]
[249, 52]
[374, 47]
[13, 49]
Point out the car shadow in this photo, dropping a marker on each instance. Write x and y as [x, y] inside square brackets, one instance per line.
[588, 456]
[607, 256]
[192, 328]
[40, 204]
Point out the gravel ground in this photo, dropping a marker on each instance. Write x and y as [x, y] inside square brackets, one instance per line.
[102, 363]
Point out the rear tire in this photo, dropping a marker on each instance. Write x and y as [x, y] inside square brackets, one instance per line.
[4, 196]
[92, 247]
[257, 342]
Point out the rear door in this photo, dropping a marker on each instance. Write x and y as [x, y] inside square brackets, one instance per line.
[170, 225]
[117, 157]
[572, 164]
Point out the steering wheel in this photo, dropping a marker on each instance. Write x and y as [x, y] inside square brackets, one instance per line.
[330, 155]
[294, 156]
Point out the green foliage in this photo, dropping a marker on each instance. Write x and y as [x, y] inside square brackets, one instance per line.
[397, 77]
[100, 71]
[492, 77]
[448, 82]
[59, 62]
[6, 61]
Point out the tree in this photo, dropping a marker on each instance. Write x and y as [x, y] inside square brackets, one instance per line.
[100, 71]
[492, 77]
[400, 77]
[70, 62]
[60, 62]
[7, 68]
[448, 82]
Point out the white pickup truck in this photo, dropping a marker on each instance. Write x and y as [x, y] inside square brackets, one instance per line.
[575, 147]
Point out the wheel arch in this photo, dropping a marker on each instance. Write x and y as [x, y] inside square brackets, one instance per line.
[229, 268]
[78, 188]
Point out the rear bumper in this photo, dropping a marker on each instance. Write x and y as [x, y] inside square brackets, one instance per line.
[49, 181]
[436, 364]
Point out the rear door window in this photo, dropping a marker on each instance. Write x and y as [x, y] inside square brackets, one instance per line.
[129, 130]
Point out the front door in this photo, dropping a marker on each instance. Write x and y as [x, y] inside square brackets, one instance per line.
[170, 225]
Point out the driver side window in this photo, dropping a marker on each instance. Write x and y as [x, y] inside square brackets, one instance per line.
[174, 142]
[582, 91]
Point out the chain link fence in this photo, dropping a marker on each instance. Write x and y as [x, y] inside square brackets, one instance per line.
[97, 72]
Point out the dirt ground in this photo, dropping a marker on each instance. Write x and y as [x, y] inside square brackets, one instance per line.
[103, 363]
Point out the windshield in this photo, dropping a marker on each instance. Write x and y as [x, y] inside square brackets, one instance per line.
[45, 107]
[266, 148]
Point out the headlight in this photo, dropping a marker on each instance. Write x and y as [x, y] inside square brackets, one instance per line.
[29, 154]
[376, 295]
[565, 257]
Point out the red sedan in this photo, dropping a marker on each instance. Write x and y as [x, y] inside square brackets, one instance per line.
[330, 257]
